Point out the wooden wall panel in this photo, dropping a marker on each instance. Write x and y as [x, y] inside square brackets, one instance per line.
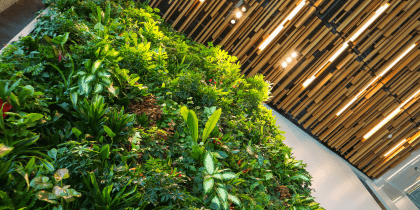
[376, 73]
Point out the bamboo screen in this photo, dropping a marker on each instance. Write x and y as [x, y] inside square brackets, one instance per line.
[339, 67]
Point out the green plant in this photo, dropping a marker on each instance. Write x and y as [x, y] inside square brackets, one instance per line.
[104, 199]
[120, 124]
[91, 116]
[59, 193]
[216, 185]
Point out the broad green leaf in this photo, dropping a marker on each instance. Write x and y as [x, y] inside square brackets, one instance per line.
[96, 65]
[109, 131]
[215, 203]
[184, 113]
[208, 185]
[52, 153]
[76, 132]
[268, 176]
[58, 191]
[40, 182]
[46, 196]
[193, 125]
[218, 176]
[4, 150]
[222, 193]
[98, 88]
[61, 174]
[208, 163]
[249, 150]
[211, 123]
[221, 154]
[234, 199]
[228, 175]
[104, 152]
[47, 164]
[74, 97]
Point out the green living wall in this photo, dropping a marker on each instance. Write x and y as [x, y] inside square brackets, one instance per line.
[106, 107]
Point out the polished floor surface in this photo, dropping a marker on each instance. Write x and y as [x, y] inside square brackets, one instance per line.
[16, 17]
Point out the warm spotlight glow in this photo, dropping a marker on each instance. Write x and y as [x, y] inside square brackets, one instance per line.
[284, 64]
[294, 55]
[238, 14]
[273, 35]
[354, 37]
[233, 21]
[370, 21]
[376, 78]
[399, 144]
[336, 54]
[201, 1]
[243, 9]
[382, 123]
[389, 117]
[289, 59]
[308, 81]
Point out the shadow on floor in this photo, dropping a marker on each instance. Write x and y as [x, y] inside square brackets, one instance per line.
[16, 17]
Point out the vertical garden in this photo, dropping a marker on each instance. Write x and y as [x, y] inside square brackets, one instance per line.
[106, 107]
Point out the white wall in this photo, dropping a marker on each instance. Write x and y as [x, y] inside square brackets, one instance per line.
[336, 185]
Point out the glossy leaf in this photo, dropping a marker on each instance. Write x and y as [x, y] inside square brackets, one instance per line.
[184, 113]
[211, 123]
[234, 199]
[193, 125]
[209, 163]
[208, 185]
[222, 193]
[228, 175]
[109, 131]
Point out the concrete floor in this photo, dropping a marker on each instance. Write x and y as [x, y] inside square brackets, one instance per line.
[16, 17]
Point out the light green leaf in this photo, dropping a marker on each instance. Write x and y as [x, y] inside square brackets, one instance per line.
[192, 123]
[268, 176]
[211, 123]
[218, 176]
[208, 185]
[249, 150]
[223, 194]
[184, 113]
[208, 163]
[228, 175]
[234, 199]
[41, 182]
[109, 131]
[4, 150]
[96, 65]
[53, 153]
[73, 98]
[221, 154]
[47, 164]
[215, 203]
[76, 132]
[61, 174]
[46, 196]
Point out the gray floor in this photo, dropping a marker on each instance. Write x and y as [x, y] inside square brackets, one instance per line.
[16, 17]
